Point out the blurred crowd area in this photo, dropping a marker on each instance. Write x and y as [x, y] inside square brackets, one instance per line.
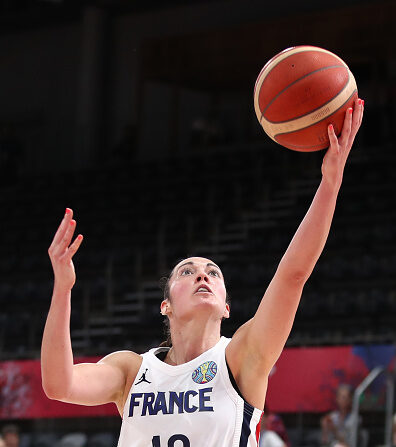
[13, 436]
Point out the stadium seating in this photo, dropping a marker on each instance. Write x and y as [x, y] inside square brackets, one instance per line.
[240, 207]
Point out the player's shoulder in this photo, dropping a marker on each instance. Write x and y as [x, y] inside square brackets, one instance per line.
[126, 360]
[127, 363]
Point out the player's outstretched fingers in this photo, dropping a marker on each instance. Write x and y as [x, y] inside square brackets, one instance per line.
[362, 111]
[75, 245]
[357, 120]
[61, 248]
[62, 228]
[360, 108]
[346, 128]
[357, 114]
[334, 146]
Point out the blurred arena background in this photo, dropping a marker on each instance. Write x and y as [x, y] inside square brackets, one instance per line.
[139, 116]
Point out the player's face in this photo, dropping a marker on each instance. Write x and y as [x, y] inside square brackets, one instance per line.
[196, 284]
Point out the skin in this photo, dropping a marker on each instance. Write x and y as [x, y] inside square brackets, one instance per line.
[195, 318]
[10, 440]
[192, 312]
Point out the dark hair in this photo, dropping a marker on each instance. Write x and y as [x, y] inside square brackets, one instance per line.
[164, 284]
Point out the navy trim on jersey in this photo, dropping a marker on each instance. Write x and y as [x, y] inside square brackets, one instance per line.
[162, 355]
[233, 381]
[247, 417]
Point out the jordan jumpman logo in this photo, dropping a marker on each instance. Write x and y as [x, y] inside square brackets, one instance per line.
[143, 378]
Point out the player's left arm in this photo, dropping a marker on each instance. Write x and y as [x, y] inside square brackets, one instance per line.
[261, 340]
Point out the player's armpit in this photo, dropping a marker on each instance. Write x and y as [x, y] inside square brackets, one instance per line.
[256, 345]
[250, 378]
[260, 341]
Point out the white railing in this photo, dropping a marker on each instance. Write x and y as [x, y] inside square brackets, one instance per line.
[388, 410]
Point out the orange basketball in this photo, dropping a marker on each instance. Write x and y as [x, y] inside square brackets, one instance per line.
[299, 92]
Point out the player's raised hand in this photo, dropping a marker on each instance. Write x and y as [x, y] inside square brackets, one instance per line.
[337, 154]
[61, 252]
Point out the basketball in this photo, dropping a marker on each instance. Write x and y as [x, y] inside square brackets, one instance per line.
[299, 92]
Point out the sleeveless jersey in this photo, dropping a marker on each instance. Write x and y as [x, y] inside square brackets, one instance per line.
[188, 405]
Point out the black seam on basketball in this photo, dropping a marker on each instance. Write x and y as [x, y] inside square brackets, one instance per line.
[294, 82]
[313, 124]
[311, 111]
[277, 56]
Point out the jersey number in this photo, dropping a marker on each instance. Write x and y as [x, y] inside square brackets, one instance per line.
[171, 442]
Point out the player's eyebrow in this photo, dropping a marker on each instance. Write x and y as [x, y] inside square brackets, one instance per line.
[186, 263]
[209, 264]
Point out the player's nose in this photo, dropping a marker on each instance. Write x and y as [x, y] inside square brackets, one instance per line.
[202, 277]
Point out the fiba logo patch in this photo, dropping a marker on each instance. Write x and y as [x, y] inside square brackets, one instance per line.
[205, 372]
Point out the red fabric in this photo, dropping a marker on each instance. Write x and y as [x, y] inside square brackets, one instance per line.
[304, 379]
[22, 395]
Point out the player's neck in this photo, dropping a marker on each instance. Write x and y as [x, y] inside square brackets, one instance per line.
[190, 342]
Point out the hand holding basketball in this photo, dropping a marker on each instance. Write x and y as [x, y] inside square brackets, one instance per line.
[61, 252]
[337, 154]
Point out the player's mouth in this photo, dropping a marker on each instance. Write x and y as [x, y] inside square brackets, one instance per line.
[203, 288]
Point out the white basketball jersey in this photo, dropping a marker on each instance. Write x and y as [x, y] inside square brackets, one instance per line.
[188, 405]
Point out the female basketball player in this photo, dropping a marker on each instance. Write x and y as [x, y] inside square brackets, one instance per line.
[205, 390]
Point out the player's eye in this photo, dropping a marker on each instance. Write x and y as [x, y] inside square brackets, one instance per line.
[214, 273]
[186, 272]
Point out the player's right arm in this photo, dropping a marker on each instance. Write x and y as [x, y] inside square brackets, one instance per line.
[86, 383]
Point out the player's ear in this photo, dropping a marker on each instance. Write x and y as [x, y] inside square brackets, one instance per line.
[165, 305]
[226, 313]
